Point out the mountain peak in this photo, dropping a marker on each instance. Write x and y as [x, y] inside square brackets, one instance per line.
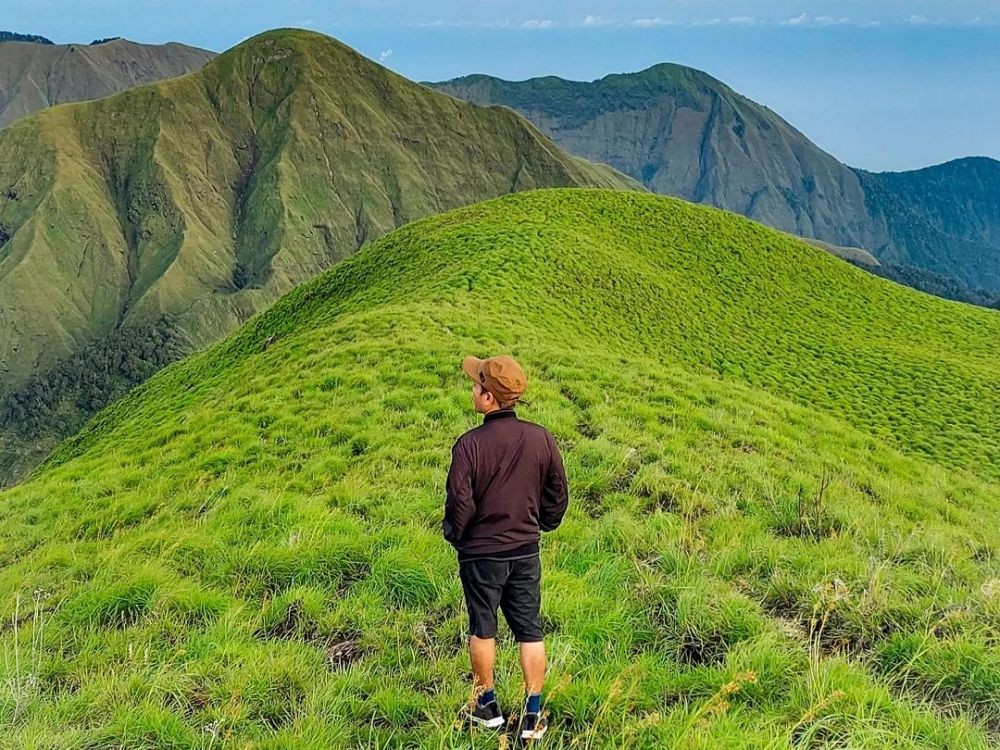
[682, 132]
[300, 40]
[293, 55]
[665, 71]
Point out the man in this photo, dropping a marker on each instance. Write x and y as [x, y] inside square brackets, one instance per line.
[506, 485]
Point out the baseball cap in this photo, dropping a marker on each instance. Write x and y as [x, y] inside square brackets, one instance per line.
[501, 376]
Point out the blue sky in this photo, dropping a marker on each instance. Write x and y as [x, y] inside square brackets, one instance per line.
[896, 84]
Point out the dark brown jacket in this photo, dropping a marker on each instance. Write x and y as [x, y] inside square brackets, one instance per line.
[506, 484]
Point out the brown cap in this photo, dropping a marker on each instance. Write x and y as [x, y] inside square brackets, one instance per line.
[501, 376]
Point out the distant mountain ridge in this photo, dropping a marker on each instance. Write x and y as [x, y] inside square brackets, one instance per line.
[140, 226]
[682, 132]
[35, 73]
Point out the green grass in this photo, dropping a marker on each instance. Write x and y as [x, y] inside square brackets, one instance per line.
[782, 530]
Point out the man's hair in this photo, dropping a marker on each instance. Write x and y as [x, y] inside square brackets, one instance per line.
[503, 405]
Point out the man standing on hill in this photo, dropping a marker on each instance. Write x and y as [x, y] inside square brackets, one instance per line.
[505, 486]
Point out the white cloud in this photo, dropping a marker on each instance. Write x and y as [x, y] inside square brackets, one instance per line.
[918, 19]
[441, 23]
[306, 23]
[707, 22]
[536, 23]
[801, 20]
[825, 20]
[743, 21]
[592, 21]
[384, 55]
[650, 23]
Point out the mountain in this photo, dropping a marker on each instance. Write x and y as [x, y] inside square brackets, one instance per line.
[943, 219]
[142, 226]
[39, 74]
[684, 133]
[784, 481]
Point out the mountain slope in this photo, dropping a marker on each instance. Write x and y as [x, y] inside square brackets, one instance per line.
[155, 221]
[944, 219]
[34, 76]
[765, 546]
[683, 133]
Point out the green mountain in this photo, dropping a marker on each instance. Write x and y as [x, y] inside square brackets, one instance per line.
[144, 225]
[35, 73]
[785, 478]
[683, 133]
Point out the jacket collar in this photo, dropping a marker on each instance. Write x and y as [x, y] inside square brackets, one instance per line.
[500, 414]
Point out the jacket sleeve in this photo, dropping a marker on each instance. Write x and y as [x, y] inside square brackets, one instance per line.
[459, 505]
[555, 492]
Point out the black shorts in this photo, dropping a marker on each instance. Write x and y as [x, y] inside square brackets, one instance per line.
[512, 585]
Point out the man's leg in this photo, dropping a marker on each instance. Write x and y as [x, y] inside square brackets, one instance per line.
[533, 666]
[482, 654]
[482, 581]
[521, 603]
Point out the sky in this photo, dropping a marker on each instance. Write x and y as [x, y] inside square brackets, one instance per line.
[892, 85]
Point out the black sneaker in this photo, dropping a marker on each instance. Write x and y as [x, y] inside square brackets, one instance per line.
[533, 726]
[488, 716]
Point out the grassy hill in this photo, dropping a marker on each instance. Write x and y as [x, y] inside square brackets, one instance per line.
[783, 527]
[155, 221]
